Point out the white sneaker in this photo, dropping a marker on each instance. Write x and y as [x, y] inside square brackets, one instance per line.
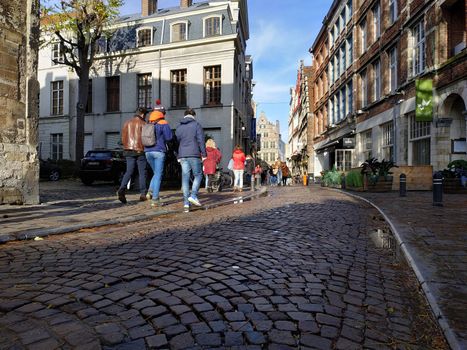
[186, 208]
[194, 201]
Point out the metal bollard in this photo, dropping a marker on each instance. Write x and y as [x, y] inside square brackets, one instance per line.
[343, 182]
[402, 185]
[438, 189]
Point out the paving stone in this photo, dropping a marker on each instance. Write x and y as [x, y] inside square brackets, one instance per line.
[285, 326]
[233, 338]
[164, 321]
[208, 339]
[315, 341]
[141, 332]
[234, 316]
[157, 341]
[182, 341]
[255, 338]
[281, 337]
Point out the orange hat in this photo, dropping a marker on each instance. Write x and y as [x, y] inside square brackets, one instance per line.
[155, 116]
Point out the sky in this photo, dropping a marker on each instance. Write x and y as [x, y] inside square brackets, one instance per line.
[281, 32]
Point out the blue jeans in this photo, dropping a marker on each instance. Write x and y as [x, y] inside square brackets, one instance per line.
[189, 165]
[130, 168]
[156, 161]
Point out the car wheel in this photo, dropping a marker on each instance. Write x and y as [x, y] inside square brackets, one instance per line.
[54, 175]
[87, 182]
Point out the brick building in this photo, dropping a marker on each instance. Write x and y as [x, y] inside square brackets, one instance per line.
[19, 43]
[367, 58]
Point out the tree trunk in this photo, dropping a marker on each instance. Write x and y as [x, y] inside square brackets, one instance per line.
[83, 87]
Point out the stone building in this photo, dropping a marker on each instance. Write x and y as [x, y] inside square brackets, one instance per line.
[271, 145]
[19, 43]
[367, 59]
[300, 150]
[188, 55]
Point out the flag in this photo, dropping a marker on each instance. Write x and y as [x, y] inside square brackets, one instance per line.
[424, 100]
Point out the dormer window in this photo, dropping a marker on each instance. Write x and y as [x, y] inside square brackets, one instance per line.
[179, 31]
[212, 26]
[144, 37]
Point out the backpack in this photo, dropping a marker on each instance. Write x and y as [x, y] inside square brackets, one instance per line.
[148, 135]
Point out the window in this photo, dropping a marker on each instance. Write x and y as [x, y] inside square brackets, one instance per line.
[376, 21]
[331, 71]
[349, 106]
[212, 26]
[56, 146]
[363, 37]
[393, 69]
[377, 81]
[387, 141]
[349, 44]
[179, 32]
[342, 59]
[144, 37]
[212, 85]
[145, 90]
[420, 133]
[392, 11]
[343, 159]
[112, 140]
[101, 45]
[89, 103]
[349, 10]
[342, 104]
[418, 49]
[364, 88]
[57, 97]
[57, 53]
[113, 93]
[367, 144]
[178, 84]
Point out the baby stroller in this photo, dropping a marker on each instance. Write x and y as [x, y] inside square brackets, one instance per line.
[221, 180]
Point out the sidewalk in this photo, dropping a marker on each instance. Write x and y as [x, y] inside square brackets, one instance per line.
[70, 206]
[434, 241]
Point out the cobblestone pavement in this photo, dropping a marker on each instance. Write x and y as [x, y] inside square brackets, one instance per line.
[294, 270]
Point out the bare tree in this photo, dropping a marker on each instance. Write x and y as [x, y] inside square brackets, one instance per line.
[77, 25]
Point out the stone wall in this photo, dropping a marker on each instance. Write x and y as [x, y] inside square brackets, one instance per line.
[19, 89]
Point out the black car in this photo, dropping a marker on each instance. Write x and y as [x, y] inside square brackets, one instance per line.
[102, 165]
[49, 170]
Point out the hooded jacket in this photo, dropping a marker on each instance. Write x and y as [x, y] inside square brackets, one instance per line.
[190, 137]
[131, 135]
[214, 156]
[238, 160]
[163, 133]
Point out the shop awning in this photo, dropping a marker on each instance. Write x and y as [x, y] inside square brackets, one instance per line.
[326, 145]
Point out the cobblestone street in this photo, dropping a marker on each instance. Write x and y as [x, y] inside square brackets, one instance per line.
[294, 270]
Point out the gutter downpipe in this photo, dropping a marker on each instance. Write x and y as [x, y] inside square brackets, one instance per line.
[159, 85]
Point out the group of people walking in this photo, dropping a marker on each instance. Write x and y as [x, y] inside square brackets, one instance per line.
[145, 142]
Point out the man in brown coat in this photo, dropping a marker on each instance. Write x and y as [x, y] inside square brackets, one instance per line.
[134, 153]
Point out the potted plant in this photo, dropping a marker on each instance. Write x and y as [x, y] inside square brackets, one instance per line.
[354, 180]
[377, 175]
[455, 177]
[331, 178]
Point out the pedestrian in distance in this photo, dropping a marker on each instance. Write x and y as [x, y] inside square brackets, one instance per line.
[211, 162]
[258, 174]
[133, 151]
[285, 173]
[191, 152]
[238, 168]
[278, 171]
[249, 171]
[156, 153]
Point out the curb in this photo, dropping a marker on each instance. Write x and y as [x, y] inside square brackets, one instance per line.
[439, 316]
[30, 235]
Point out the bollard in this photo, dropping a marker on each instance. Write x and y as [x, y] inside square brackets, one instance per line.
[438, 189]
[305, 178]
[402, 185]
[343, 181]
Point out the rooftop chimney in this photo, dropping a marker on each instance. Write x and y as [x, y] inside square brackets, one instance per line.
[148, 7]
[185, 3]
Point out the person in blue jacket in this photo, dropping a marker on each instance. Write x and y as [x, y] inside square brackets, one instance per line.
[155, 155]
[191, 153]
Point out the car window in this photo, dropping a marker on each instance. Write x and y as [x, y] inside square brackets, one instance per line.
[98, 155]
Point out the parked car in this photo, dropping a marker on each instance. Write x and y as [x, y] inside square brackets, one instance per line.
[102, 165]
[49, 170]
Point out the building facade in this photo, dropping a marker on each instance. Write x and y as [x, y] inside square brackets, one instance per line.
[300, 155]
[269, 136]
[190, 55]
[368, 58]
[19, 45]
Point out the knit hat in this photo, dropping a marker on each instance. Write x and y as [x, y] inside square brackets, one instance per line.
[155, 116]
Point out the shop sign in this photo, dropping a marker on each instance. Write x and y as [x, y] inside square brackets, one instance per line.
[348, 142]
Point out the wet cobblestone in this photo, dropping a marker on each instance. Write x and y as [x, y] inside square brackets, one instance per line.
[294, 270]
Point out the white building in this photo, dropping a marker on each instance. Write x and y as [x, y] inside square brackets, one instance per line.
[271, 145]
[190, 55]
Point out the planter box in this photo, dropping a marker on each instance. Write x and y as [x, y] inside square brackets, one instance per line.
[356, 189]
[453, 186]
[419, 177]
[381, 185]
